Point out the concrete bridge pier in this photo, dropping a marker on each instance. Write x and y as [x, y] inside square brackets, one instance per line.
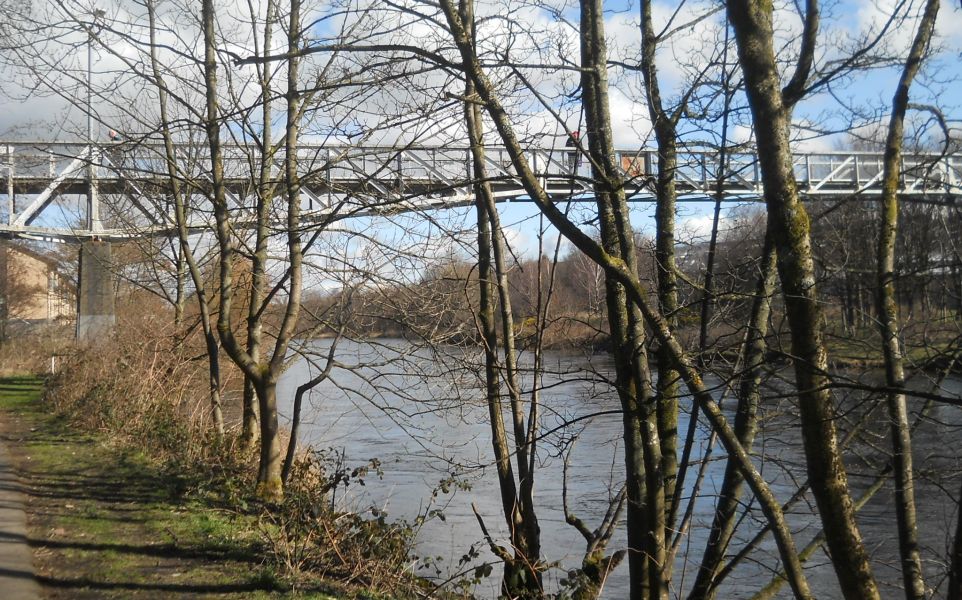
[95, 296]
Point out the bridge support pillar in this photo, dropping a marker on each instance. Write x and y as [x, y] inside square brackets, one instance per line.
[95, 297]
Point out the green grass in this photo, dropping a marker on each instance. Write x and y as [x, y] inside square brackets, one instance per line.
[107, 523]
[864, 349]
[19, 392]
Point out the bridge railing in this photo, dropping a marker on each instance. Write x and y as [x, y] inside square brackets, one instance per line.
[392, 168]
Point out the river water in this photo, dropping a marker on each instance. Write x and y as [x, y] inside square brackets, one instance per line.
[420, 413]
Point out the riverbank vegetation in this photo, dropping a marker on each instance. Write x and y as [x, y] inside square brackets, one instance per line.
[107, 521]
[311, 180]
[157, 504]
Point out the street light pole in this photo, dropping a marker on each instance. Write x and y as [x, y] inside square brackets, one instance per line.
[95, 298]
[90, 68]
[93, 202]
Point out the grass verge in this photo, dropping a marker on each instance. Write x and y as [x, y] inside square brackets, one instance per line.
[105, 522]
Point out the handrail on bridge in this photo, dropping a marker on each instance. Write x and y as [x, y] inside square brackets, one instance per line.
[437, 174]
[698, 167]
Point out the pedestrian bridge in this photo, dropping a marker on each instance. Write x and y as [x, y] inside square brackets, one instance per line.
[60, 190]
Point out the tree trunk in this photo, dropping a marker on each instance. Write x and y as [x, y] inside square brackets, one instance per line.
[516, 581]
[522, 566]
[213, 372]
[753, 358]
[186, 255]
[644, 462]
[179, 295]
[250, 414]
[912, 575]
[269, 480]
[266, 188]
[530, 531]
[789, 225]
[294, 433]
[667, 281]
[270, 486]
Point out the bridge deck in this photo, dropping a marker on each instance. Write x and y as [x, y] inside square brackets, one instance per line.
[373, 179]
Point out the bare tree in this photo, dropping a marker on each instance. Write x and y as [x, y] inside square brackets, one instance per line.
[905, 509]
[186, 255]
[263, 374]
[618, 271]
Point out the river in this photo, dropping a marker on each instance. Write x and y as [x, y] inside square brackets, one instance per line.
[419, 412]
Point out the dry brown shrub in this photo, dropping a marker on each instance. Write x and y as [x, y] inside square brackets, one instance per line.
[31, 350]
[310, 534]
[147, 386]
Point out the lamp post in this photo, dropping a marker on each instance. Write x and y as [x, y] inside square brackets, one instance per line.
[95, 299]
[93, 204]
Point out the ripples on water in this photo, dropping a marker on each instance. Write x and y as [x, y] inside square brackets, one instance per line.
[422, 415]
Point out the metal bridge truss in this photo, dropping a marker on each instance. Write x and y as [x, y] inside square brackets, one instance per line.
[122, 190]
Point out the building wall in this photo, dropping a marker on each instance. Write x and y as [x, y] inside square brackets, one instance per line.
[31, 287]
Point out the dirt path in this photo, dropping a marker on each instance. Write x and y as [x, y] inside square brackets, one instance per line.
[17, 578]
[105, 523]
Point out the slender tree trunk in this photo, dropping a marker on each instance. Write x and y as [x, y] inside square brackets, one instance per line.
[753, 358]
[522, 568]
[848, 315]
[637, 411]
[633, 383]
[294, 432]
[789, 225]
[212, 127]
[957, 283]
[186, 255]
[665, 195]
[516, 581]
[179, 295]
[303, 389]
[213, 372]
[523, 442]
[642, 421]
[912, 575]
[250, 414]
[266, 189]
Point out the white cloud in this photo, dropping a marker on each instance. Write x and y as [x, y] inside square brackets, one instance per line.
[874, 14]
[698, 228]
[630, 124]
